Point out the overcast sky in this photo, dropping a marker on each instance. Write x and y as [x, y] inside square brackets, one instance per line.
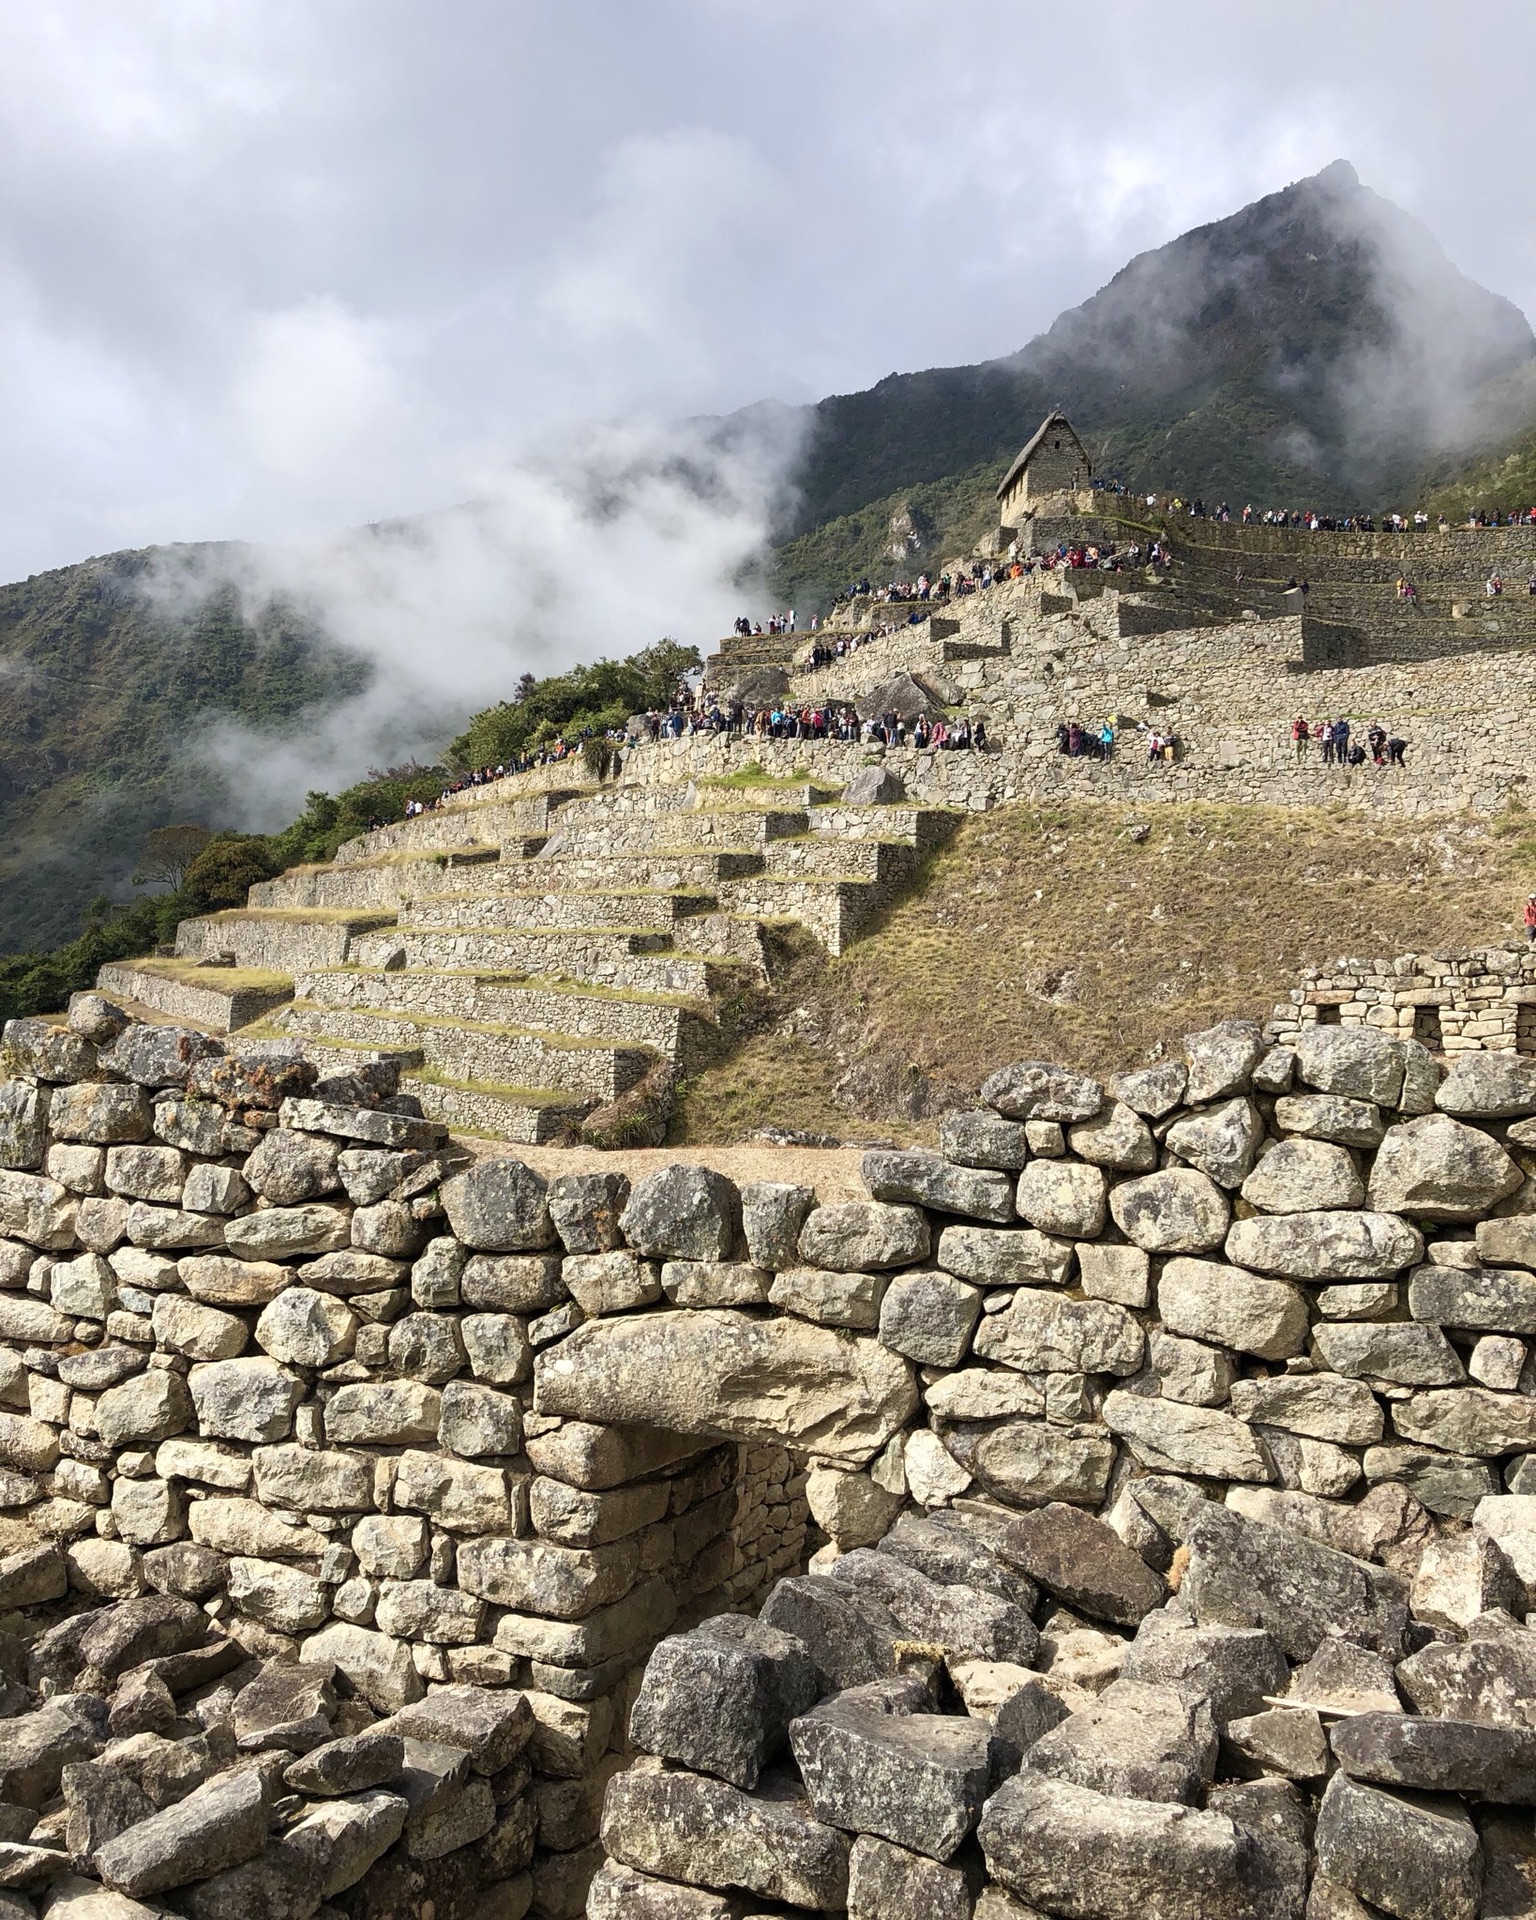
[273, 266]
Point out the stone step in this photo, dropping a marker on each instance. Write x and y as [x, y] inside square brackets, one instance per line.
[491, 820]
[664, 870]
[622, 960]
[664, 912]
[545, 1004]
[283, 938]
[483, 1054]
[745, 828]
[769, 794]
[822, 856]
[835, 910]
[527, 1116]
[382, 884]
[220, 999]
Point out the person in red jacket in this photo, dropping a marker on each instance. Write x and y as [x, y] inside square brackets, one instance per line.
[1530, 918]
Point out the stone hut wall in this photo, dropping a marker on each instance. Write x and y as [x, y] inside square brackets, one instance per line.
[1160, 1405]
[1451, 1002]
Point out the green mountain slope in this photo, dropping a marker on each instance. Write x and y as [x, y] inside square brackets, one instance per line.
[1316, 347]
[103, 687]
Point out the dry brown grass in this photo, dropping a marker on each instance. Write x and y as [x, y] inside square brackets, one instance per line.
[1050, 932]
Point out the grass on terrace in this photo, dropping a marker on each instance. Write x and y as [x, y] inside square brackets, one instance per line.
[1050, 932]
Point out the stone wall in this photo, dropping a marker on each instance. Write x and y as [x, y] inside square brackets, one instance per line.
[1451, 1002]
[265, 1369]
[1201, 1530]
[1191, 1423]
[1228, 692]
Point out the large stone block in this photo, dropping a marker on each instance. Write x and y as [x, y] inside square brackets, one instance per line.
[1489, 1086]
[278, 1233]
[683, 1213]
[1468, 1420]
[1139, 1741]
[686, 1827]
[242, 1400]
[1235, 1668]
[720, 1699]
[1420, 1860]
[718, 1372]
[929, 1317]
[887, 1882]
[1476, 1299]
[983, 1139]
[499, 1206]
[1361, 1063]
[1304, 1176]
[557, 1583]
[101, 1112]
[217, 1825]
[1438, 1169]
[1027, 1462]
[1063, 1197]
[1081, 1562]
[1221, 1060]
[855, 1235]
[1228, 1307]
[1168, 1437]
[1220, 1142]
[383, 1413]
[1326, 1245]
[1090, 1856]
[585, 1209]
[917, 1779]
[1489, 1679]
[1117, 1137]
[1246, 1573]
[1439, 1756]
[1320, 1406]
[23, 1125]
[968, 1623]
[36, 1210]
[925, 1179]
[772, 1214]
[996, 1258]
[378, 1667]
[1040, 1332]
[303, 1327]
[1036, 1090]
[1409, 1356]
[1177, 1210]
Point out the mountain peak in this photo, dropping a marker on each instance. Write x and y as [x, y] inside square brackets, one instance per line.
[1338, 173]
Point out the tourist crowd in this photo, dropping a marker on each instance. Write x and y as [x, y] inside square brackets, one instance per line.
[1339, 744]
[826, 720]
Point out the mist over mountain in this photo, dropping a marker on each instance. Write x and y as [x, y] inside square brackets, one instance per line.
[1315, 348]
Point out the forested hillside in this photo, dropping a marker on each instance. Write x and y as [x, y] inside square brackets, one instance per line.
[1316, 348]
[105, 683]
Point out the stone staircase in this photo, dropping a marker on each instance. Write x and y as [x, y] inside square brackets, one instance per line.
[528, 957]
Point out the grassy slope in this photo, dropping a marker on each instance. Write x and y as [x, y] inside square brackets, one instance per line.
[1046, 932]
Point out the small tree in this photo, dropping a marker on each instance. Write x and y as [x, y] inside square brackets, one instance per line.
[227, 868]
[167, 853]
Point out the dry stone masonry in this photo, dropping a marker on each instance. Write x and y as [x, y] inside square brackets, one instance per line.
[1127, 1510]
[1451, 1002]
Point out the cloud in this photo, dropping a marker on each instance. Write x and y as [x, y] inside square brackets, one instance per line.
[643, 530]
[268, 267]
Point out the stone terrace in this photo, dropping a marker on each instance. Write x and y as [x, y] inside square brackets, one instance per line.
[530, 956]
